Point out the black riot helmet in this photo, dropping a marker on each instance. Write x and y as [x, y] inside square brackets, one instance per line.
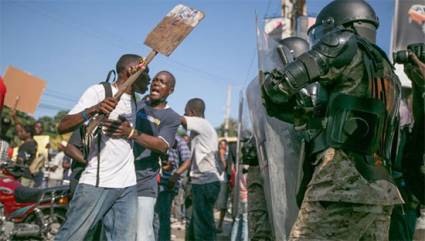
[296, 45]
[357, 15]
[291, 48]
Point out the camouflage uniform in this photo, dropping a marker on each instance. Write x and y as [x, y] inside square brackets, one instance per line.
[340, 203]
[259, 227]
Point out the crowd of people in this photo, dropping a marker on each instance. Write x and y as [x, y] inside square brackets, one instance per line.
[42, 166]
[125, 173]
[130, 172]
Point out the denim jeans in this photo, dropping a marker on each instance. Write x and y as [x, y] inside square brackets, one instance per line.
[204, 197]
[116, 207]
[145, 214]
[162, 225]
[240, 225]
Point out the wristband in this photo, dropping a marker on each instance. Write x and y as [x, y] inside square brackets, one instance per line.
[85, 115]
[131, 133]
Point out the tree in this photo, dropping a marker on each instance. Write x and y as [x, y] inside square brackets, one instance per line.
[8, 131]
[232, 130]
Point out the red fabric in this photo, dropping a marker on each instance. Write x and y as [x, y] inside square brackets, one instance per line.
[2, 92]
[232, 178]
[10, 152]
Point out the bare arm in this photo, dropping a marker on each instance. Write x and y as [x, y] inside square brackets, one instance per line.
[183, 167]
[183, 122]
[150, 142]
[173, 179]
[75, 153]
[71, 122]
[122, 129]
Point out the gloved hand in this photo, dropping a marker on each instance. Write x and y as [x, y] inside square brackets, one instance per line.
[274, 87]
[415, 70]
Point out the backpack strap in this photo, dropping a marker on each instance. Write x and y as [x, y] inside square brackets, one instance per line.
[108, 89]
[98, 143]
[108, 93]
[109, 75]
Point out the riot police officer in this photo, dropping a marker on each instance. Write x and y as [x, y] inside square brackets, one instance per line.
[351, 193]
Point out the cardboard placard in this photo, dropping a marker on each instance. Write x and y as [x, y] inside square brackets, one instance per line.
[173, 28]
[24, 86]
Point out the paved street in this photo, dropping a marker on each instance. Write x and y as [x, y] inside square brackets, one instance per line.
[178, 230]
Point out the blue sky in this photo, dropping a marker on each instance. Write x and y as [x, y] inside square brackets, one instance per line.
[72, 44]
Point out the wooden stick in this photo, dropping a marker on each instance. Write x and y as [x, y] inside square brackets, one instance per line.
[130, 81]
[97, 119]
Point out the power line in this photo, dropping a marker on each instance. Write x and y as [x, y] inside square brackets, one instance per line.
[51, 107]
[87, 29]
[61, 97]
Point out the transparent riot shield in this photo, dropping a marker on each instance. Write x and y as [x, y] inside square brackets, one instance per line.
[278, 151]
[277, 144]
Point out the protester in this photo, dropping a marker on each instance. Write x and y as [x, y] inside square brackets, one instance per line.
[154, 133]
[27, 154]
[74, 150]
[55, 167]
[4, 142]
[66, 165]
[107, 191]
[351, 193]
[204, 173]
[223, 196]
[178, 155]
[38, 167]
[38, 128]
[76, 164]
[240, 224]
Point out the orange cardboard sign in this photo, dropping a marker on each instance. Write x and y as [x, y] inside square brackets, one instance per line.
[23, 90]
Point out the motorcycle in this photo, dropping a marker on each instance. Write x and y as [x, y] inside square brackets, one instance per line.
[29, 213]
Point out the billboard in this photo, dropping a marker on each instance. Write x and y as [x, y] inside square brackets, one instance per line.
[408, 28]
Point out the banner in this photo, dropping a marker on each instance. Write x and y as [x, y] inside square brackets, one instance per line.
[408, 28]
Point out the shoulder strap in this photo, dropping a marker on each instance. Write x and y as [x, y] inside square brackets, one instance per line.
[107, 85]
[108, 89]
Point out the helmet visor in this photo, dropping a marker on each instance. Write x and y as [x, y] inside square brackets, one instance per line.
[315, 33]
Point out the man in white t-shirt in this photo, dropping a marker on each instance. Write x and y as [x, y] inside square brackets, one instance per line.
[204, 173]
[107, 193]
[55, 167]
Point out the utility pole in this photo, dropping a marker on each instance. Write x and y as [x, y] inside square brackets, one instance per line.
[292, 9]
[227, 111]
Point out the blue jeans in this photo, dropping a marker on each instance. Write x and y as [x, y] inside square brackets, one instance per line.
[240, 225]
[145, 213]
[115, 207]
[162, 225]
[204, 197]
